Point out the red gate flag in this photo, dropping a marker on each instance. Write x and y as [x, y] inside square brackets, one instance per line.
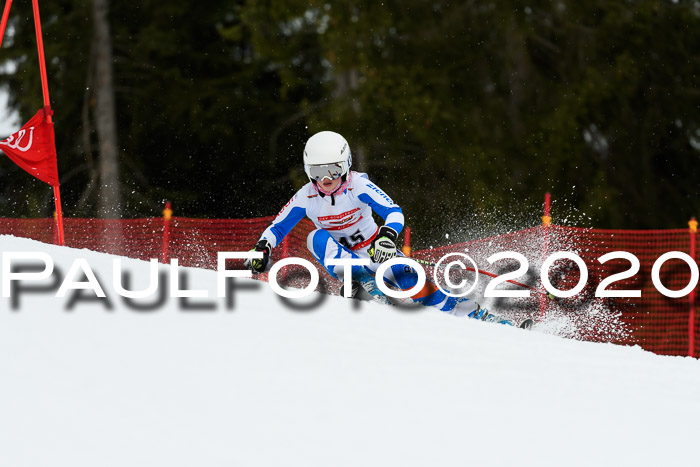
[34, 148]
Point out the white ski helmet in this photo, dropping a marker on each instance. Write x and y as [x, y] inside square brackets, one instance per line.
[327, 155]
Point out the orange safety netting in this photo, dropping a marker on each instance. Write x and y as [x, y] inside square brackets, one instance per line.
[655, 322]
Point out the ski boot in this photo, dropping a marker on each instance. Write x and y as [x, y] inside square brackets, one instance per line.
[356, 291]
[483, 315]
[363, 283]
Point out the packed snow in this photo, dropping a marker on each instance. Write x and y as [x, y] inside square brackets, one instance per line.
[254, 380]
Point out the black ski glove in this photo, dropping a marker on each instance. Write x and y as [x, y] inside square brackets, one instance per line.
[259, 265]
[383, 247]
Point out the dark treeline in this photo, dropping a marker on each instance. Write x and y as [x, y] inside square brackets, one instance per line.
[457, 109]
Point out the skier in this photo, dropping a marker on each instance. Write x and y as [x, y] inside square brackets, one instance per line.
[340, 203]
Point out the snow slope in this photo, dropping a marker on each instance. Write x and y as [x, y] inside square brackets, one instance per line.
[337, 383]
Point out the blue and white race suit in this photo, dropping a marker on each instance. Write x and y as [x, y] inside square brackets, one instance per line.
[345, 228]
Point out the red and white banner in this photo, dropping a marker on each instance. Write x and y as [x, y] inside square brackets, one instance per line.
[34, 148]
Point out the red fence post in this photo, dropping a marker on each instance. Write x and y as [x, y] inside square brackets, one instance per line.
[693, 224]
[546, 221]
[406, 249]
[167, 215]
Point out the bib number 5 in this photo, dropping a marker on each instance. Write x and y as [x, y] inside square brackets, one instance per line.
[352, 240]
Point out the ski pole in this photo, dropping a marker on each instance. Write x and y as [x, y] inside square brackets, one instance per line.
[490, 274]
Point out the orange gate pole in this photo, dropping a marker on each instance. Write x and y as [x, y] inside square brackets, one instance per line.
[693, 228]
[546, 221]
[406, 249]
[167, 215]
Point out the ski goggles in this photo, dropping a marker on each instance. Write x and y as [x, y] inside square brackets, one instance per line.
[329, 171]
